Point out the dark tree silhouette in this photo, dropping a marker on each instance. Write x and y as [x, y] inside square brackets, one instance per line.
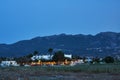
[109, 59]
[58, 56]
[29, 55]
[50, 50]
[35, 52]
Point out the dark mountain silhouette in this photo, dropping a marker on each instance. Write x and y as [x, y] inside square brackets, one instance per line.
[102, 44]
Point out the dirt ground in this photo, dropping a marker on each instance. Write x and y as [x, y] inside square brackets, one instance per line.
[43, 75]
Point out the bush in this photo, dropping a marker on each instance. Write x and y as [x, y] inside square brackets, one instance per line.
[109, 59]
[58, 56]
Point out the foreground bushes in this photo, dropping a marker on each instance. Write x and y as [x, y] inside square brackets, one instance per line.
[96, 68]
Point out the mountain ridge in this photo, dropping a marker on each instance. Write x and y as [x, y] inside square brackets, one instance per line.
[101, 44]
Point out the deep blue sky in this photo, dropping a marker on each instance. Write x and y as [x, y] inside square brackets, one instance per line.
[25, 19]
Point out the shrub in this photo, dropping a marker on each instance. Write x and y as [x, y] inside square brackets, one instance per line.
[109, 59]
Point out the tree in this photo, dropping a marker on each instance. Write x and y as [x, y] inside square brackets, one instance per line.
[58, 56]
[96, 60]
[109, 59]
[35, 53]
[29, 55]
[50, 50]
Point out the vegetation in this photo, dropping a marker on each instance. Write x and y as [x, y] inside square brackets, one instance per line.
[89, 68]
[58, 56]
[35, 53]
[109, 59]
[50, 50]
[58, 72]
[78, 72]
[97, 68]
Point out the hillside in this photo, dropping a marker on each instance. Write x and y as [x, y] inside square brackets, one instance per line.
[102, 44]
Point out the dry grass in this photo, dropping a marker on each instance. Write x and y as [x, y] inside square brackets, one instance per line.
[79, 72]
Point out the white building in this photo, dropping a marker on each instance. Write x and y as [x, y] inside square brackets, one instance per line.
[68, 56]
[38, 57]
[8, 63]
[79, 61]
[48, 57]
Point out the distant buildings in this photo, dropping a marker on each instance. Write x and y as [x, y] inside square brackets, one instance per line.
[88, 60]
[8, 63]
[48, 57]
[39, 60]
[38, 57]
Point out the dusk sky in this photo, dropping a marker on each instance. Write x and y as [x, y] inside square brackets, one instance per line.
[26, 19]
